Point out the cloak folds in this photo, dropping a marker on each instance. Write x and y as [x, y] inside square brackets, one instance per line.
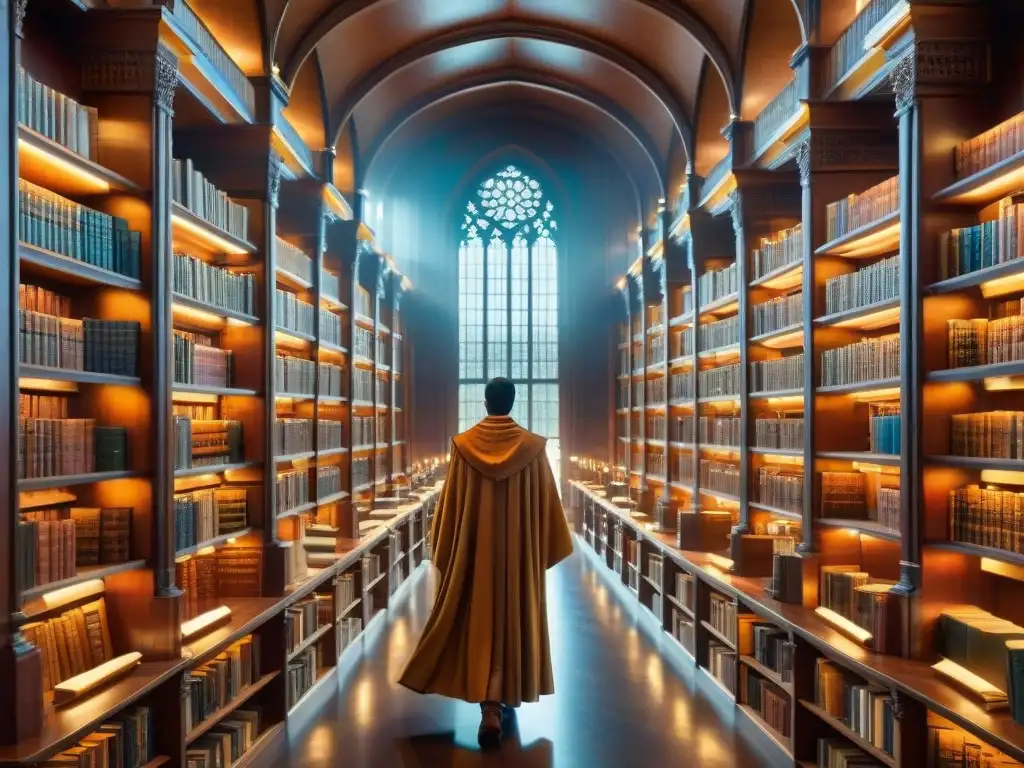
[498, 527]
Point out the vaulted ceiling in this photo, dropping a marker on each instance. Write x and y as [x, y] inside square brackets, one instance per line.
[654, 81]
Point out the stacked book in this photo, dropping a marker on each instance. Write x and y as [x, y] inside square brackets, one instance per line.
[867, 710]
[993, 434]
[332, 379]
[58, 117]
[292, 313]
[364, 341]
[74, 642]
[126, 741]
[197, 361]
[360, 471]
[855, 211]
[987, 517]
[364, 431]
[217, 286]
[866, 360]
[776, 375]
[362, 382]
[785, 433]
[716, 284]
[215, 684]
[720, 430]
[721, 381]
[720, 476]
[330, 327]
[968, 249]
[205, 442]
[292, 436]
[54, 223]
[191, 189]
[328, 481]
[292, 490]
[294, 261]
[783, 248]
[329, 434]
[776, 314]
[294, 375]
[869, 285]
[721, 333]
[781, 488]
[208, 513]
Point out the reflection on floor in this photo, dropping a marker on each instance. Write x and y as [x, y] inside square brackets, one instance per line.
[624, 697]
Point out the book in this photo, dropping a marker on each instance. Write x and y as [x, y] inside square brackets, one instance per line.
[987, 517]
[782, 373]
[57, 116]
[868, 285]
[969, 249]
[781, 486]
[292, 436]
[716, 284]
[192, 190]
[214, 285]
[294, 260]
[721, 476]
[855, 211]
[719, 382]
[74, 642]
[991, 434]
[998, 143]
[200, 440]
[207, 513]
[716, 334]
[867, 360]
[198, 361]
[781, 249]
[292, 313]
[865, 709]
[292, 489]
[785, 432]
[779, 313]
[125, 741]
[216, 683]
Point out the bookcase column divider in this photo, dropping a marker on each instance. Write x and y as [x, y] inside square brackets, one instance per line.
[645, 502]
[737, 210]
[393, 418]
[665, 509]
[808, 289]
[379, 277]
[699, 226]
[20, 661]
[353, 295]
[628, 401]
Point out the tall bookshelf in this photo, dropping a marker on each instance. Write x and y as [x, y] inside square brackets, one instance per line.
[184, 306]
[872, 224]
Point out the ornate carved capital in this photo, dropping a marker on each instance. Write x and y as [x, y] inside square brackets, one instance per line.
[20, 6]
[903, 79]
[841, 149]
[274, 179]
[326, 220]
[803, 161]
[736, 211]
[166, 79]
[133, 71]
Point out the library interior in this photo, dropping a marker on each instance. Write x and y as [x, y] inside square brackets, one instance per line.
[265, 255]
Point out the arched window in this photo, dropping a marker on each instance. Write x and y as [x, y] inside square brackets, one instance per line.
[508, 301]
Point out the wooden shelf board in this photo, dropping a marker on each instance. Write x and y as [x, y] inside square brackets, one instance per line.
[850, 734]
[675, 445]
[781, 278]
[974, 462]
[347, 609]
[978, 372]
[717, 683]
[60, 481]
[681, 361]
[718, 635]
[334, 498]
[779, 393]
[309, 641]
[719, 399]
[719, 495]
[331, 399]
[886, 459]
[213, 470]
[212, 309]
[247, 613]
[222, 391]
[652, 582]
[724, 352]
[777, 451]
[726, 305]
[975, 550]
[301, 456]
[309, 506]
[783, 338]
[869, 317]
[243, 696]
[259, 745]
[58, 169]
[777, 511]
[684, 608]
[987, 185]
[291, 335]
[874, 239]
[711, 447]
[156, 762]
[870, 527]
[364, 320]
[292, 280]
[324, 674]
[332, 452]
[767, 672]
[681, 321]
[214, 542]
[1011, 268]
[84, 573]
[782, 742]
[192, 228]
[47, 373]
[377, 580]
[858, 386]
[334, 301]
[331, 347]
[41, 262]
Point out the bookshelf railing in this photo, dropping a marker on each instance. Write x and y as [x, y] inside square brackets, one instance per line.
[717, 173]
[193, 26]
[775, 114]
[849, 48]
[295, 141]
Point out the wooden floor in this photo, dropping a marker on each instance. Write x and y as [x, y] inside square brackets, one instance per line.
[625, 697]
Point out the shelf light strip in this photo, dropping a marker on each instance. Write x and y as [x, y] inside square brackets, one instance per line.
[204, 622]
[63, 166]
[844, 625]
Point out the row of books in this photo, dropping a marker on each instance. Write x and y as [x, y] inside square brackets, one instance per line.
[301, 621]
[866, 710]
[779, 374]
[207, 513]
[363, 345]
[206, 443]
[785, 433]
[215, 684]
[54, 543]
[776, 314]
[329, 434]
[292, 313]
[125, 741]
[682, 629]
[330, 284]
[722, 613]
[655, 349]
[836, 753]
[868, 285]
[74, 642]
[720, 333]
[655, 427]
[197, 361]
[992, 434]
[720, 476]
[721, 381]
[989, 147]
[968, 249]
[716, 284]
[884, 428]
[58, 447]
[332, 380]
[722, 664]
[855, 211]
[364, 430]
[226, 742]
[210, 284]
[867, 602]
[684, 589]
[360, 471]
[330, 328]
[681, 386]
[781, 249]
[680, 429]
[294, 261]
[887, 508]
[771, 705]
[37, 299]
[984, 342]
[681, 343]
[656, 392]
[683, 468]
[771, 647]
[656, 464]
[987, 517]
[781, 488]
[54, 223]
[292, 490]
[328, 481]
[349, 629]
[99, 346]
[866, 360]
[294, 375]
[58, 117]
[192, 190]
[655, 567]
[230, 572]
[292, 436]
[362, 385]
[843, 495]
[719, 430]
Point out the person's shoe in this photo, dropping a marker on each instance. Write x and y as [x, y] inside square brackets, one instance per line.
[489, 734]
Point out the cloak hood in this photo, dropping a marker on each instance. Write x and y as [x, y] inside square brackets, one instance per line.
[498, 448]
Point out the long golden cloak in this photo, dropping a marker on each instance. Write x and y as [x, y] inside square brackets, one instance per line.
[498, 527]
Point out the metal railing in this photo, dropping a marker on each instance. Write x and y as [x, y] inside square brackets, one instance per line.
[849, 48]
[193, 26]
[774, 115]
[716, 174]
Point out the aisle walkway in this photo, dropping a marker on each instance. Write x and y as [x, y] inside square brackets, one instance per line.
[620, 701]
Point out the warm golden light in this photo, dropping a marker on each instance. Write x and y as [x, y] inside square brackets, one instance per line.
[79, 685]
[203, 551]
[1003, 383]
[206, 236]
[1002, 476]
[47, 385]
[787, 400]
[1001, 185]
[966, 679]
[193, 397]
[872, 243]
[197, 315]
[888, 393]
[877, 469]
[722, 562]
[789, 277]
[844, 625]
[340, 205]
[785, 340]
[205, 622]
[72, 594]
[872, 321]
[1000, 568]
[62, 166]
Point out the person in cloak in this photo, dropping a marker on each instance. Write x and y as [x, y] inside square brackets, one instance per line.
[498, 527]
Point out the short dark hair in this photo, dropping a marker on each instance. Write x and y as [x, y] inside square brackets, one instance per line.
[499, 396]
